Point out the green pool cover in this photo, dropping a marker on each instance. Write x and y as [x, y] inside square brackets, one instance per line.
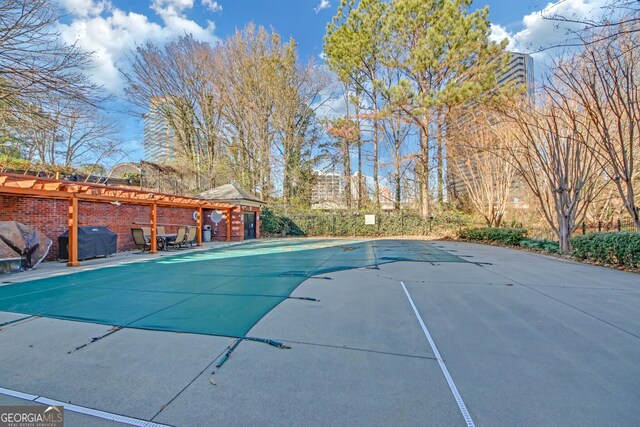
[223, 291]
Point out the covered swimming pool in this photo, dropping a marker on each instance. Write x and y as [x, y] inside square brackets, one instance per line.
[223, 291]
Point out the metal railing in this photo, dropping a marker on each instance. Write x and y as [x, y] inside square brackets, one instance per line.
[616, 225]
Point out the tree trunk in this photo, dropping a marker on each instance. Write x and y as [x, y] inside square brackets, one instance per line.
[424, 173]
[360, 192]
[440, 159]
[347, 173]
[286, 186]
[397, 171]
[376, 184]
[347, 156]
[564, 233]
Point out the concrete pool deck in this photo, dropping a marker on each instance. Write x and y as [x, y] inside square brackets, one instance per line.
[527, 340]
[53, 268]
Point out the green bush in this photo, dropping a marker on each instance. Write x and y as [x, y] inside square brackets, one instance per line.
[621, 248]
[272, 223]
[541, 245]
[404, 223]
[508, 236]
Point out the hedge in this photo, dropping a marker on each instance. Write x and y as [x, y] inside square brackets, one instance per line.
[541, 245]
[615, 248]
[273, 224]
[349, 225]
[508, 236]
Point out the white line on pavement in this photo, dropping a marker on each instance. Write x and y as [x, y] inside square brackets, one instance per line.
[443, 367]
[80, 409]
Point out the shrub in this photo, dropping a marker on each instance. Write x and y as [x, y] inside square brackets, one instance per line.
[541, 245]
[272, 223]
[508, 236]
[405, 223]
[621, 248]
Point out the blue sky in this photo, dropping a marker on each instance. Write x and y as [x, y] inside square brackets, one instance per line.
[111, 28]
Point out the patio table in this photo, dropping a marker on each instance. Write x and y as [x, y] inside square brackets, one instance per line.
[162, 240]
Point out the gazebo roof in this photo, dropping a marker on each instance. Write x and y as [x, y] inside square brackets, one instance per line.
[231, 193]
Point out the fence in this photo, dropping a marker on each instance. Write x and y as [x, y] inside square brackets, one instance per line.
[386, 224]
[612, 225]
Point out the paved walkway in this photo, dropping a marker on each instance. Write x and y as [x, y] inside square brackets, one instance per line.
[54, 268]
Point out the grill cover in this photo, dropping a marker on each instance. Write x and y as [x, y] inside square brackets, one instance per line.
[24, 242]
[92, 242]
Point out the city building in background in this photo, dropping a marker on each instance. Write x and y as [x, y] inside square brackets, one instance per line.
[367, 190]
[327, 191]
[519, 72]
[159, 137]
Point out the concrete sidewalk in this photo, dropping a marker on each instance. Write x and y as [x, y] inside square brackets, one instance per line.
[54, 268]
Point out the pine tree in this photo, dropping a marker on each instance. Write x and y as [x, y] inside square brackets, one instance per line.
[445, 57]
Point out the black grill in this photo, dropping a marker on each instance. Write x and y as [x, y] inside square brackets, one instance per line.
[92, 242]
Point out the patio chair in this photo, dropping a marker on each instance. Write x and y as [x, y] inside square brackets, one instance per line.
[179, 240]
[146, 231]
[160, 230]
[191, 236]
[141, 241]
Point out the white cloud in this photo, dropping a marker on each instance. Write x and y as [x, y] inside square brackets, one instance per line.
[173, 5]
[85, 8]
[111, 33]
[212, 5]
[539, 31]
[331, 104]
[499, 33]
[324, 4]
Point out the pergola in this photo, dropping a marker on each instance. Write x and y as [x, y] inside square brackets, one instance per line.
[31, 186]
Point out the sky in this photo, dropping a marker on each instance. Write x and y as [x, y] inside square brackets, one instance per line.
[111, 29]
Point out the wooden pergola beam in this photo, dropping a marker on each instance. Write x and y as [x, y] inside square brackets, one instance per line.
[199, 225]
[153, 246]
[73, 233]
[48, 188]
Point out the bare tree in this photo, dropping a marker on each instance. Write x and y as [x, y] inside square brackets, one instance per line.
[68, 134]
[295, 124]
[34, 63]
[396, 132]
[605, 81]
[238, 110]
[478, 159]
[613, 19]
[551, 153]
[176, 80]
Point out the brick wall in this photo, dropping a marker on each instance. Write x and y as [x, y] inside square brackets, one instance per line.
[50, 217]
[119, 219]
[237, 224]
[45, 215]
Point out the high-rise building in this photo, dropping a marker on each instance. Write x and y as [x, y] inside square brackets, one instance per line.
[518, 72]
[356, 182]
[159, 137]
[328, 187]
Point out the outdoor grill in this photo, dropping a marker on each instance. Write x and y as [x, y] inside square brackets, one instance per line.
[92, 242]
